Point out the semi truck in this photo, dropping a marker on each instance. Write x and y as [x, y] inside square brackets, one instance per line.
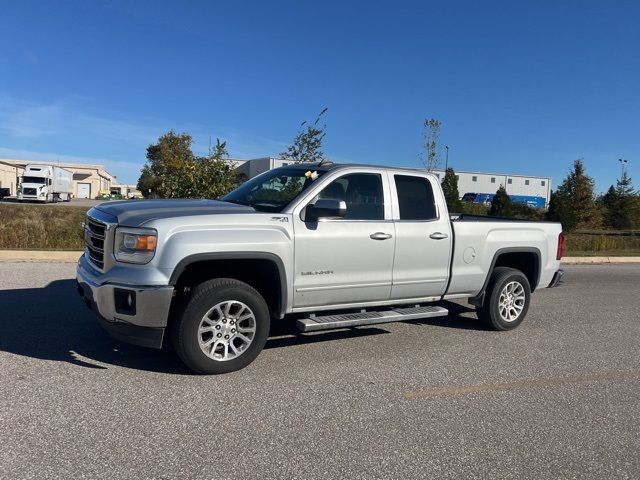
[325, 245]
[45, 183]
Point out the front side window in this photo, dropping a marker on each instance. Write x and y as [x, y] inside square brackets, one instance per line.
[415, 198]
[273, 190]
[362, 193]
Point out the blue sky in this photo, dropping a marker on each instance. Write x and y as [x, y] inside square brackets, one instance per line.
[520, 87]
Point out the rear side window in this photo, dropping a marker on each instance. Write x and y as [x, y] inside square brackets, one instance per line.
[415, 198]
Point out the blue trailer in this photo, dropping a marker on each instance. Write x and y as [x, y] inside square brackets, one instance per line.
[487, 198]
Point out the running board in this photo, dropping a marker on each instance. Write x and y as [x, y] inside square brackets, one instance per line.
[328, 322]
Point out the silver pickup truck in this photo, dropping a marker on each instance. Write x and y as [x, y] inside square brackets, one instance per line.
[330, 246]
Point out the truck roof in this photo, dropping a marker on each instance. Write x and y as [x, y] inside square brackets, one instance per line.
[327, 165]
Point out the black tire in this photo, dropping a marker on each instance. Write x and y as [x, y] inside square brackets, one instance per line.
[489, 313]
[204, 297]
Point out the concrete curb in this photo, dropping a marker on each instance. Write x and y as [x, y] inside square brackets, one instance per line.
[598, 260]
[52, 256]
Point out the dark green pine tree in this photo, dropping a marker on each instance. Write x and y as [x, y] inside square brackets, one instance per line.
[501, 204]
[451, 193]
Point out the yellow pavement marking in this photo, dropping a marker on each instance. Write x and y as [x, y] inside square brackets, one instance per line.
[494, 387]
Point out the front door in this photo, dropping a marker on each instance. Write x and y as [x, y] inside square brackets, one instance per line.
[346, 260]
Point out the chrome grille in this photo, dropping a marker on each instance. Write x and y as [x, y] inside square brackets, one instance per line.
[94, 239]
[29, 191]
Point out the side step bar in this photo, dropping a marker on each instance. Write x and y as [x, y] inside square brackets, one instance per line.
[328, 322]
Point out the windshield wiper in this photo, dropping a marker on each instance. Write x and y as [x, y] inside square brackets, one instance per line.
[237, 202]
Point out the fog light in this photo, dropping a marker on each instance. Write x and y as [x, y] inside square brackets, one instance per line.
[125, 301]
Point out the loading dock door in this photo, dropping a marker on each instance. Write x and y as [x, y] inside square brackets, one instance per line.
[84, 190]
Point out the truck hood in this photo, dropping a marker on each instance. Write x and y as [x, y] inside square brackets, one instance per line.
[134, 213]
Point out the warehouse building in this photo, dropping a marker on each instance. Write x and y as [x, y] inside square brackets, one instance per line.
[256, 166]
[516, 185]
[9, 174]
[468, 182]
[88, 179]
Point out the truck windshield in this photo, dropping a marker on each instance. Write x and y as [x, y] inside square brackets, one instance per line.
[273, 190]
[32, 180]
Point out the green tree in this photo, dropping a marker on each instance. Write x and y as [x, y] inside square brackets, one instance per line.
[621, 205]
[431, 139]
[450, 189]
[573, 203]
[173, 171]
[307, 143]
[148, 182]
[216, 175]
[170, 166]
[525, 212]
[552, 211]
[501, 204]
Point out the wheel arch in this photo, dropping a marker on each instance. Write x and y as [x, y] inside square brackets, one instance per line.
[525, 259]
[254, 268]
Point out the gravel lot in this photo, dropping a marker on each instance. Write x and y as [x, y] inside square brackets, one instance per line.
[559, 397]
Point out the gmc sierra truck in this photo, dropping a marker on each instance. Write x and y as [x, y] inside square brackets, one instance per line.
[327, 245]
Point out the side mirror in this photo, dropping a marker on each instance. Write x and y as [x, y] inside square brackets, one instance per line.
[326, 208]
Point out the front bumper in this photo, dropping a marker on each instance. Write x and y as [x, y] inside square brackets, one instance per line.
[142, 323]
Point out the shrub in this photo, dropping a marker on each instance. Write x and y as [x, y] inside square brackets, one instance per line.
[41, 227]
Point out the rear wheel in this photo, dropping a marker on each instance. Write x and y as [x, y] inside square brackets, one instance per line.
[506, 300]
[223, 327]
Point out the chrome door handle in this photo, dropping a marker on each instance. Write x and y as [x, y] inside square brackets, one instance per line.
[438, 236]
[380, 236]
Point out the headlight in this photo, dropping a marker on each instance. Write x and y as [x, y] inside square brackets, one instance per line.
[135, 245]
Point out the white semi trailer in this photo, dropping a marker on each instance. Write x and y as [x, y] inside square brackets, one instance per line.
[45, 183]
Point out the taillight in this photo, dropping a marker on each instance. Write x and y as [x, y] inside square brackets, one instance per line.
[560, 246]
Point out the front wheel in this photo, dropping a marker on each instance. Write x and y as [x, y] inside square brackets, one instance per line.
[223, 327]
[507, 299]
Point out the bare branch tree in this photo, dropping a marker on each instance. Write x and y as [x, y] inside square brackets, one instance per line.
[431, 139]
[307, 144]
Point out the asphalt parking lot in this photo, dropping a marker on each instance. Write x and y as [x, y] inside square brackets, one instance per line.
[74, 202]
[559, 397]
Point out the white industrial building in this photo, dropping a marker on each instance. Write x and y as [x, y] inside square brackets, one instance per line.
[468, 182]
[481, 182]
[89, 180]
[255, 166]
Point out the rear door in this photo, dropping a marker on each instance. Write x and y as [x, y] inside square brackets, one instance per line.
[423, 237]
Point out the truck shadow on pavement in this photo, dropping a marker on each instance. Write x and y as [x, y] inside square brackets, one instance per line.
[53, 323]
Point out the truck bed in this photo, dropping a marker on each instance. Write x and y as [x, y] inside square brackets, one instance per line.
[479, 240]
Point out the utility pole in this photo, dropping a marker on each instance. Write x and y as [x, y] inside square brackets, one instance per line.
[446, 161]
[622, 164]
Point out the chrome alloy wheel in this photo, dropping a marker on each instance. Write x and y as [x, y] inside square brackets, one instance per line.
[511, 302]
[226, 331]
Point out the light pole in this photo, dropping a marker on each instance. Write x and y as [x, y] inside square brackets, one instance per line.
[446, 161]
[622, 164]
